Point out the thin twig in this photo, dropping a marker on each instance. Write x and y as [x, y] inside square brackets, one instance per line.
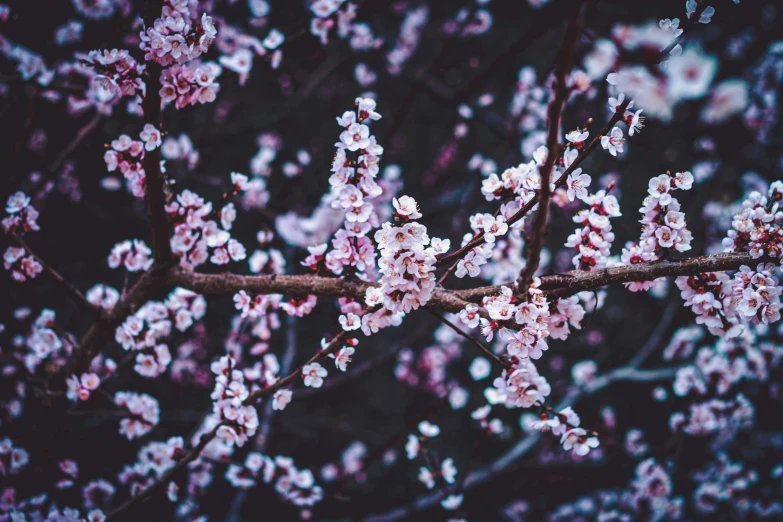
[486, 351]
[70, 290]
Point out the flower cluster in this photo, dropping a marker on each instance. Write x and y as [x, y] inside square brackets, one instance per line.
[43, 341]
[565, 425]
[195, 233]
[663, 225]
[296, 486]
[143, 331]
[189, 83]
[180, 149]
[238, 421]
[594, 240]
[353, 187]
[80, 388]
[144, 413]
[178, 35]
[756, 228]
[22, 218]
[103, 296]
[407, 260]
[411, 30]
[152, 462]
[127, 154]
[339, 13]
[12, 459]
[725, 304]
[117, 74]
[239, 49]
[134, 255]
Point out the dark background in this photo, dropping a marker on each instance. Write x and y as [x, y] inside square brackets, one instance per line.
[299, 103]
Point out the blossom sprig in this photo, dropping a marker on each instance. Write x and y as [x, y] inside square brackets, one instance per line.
[663, 224]
[144, 331]
[80, 388]
[117, 74]
[339, 14]
[407, 261]
[237, 420]
[594, 240]
[134, 255]
[353, 188]
[565, 424]
[447, 472]
[22, 218]
[144, 413]
[21, 265]
[190, 83]
[179, 35]
[758, 227]
[153, 461]
[13, 459]
[296, 486]
[726, 304]
[195, 232]
[126, 155]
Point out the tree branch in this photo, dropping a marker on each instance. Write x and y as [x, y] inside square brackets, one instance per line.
[554, 114]
[155, 182]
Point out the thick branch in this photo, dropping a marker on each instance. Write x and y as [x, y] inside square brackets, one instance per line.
[570, 283]
[156, 196]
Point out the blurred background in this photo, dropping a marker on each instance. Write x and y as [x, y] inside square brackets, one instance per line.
[456, 110]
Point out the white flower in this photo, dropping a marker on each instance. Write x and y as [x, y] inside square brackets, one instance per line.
[577, 184]
[428, 429]
[493, 227]
[470, 315]
[151, 137]
[406, 206]
[480, 368]
[452, 502]
[344, 357]
[314, 374]
[448, 471]
[614, 141]
[412, 446]
[350, 322]
[578, 439]
[281, 399]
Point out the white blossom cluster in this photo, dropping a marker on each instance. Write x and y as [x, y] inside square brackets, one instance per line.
[178, 35]
[594, 240]
[663, 224]
[22, 218]
[329, 14]
[195, 233]
[238, 421]
[144, 413]
[353, 187]
[725, 305]
[117, 74]
[407, 260]
[296, 486]
[143, 331]
[756, 228]
[134, 255]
